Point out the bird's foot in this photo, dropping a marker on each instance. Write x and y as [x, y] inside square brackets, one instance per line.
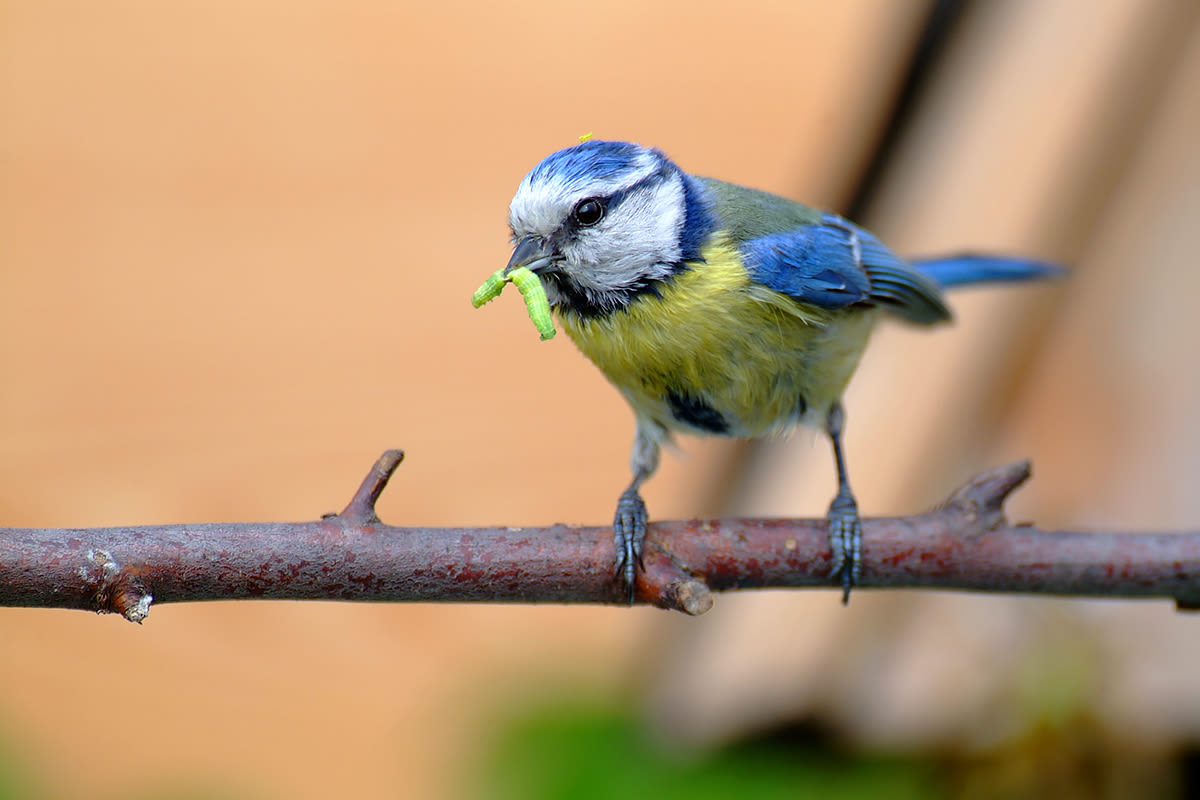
[629, 536]
[845, 540]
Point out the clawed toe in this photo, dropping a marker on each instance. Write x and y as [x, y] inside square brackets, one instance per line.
[629, 536]
[845, 542]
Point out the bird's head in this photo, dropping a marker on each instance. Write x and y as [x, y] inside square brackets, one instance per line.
[603, 222]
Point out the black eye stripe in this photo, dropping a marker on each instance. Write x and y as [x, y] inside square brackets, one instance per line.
[612, 201]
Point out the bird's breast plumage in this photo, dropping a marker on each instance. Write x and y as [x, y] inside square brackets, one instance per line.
[715, 352]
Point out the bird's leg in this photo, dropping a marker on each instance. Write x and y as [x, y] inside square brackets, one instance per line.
[629, 523]
[845, 527]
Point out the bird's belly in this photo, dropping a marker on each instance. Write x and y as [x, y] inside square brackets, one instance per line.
[735, 362]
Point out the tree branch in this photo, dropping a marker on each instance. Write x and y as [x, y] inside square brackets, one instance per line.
[965, 544]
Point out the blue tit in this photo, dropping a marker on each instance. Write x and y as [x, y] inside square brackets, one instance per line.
[719, 310]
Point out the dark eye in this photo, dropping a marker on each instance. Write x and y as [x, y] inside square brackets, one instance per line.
[588, 211]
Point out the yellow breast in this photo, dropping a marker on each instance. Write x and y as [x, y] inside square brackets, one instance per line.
[716, 353]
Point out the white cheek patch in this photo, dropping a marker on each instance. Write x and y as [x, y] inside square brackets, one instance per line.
[638, 240]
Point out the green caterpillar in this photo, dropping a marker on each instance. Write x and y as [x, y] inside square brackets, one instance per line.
[531, 289]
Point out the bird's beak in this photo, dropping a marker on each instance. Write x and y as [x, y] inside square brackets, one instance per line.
[532, 252]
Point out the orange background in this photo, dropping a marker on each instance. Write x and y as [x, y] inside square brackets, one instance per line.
[237, 242]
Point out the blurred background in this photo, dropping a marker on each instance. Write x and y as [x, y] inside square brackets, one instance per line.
[237, 242]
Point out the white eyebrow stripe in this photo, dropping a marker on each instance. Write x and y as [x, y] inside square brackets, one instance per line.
[540, 206]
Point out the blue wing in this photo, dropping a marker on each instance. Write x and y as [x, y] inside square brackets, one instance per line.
[834, 264]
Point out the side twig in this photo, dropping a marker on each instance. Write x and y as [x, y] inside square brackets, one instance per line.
[966, 544]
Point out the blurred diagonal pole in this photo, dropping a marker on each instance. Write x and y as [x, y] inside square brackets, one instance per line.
[936, 34]
[966, 544]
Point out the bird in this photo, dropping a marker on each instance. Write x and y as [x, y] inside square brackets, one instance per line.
[718, 309]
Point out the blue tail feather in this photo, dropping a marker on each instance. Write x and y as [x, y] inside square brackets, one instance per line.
[962, 270]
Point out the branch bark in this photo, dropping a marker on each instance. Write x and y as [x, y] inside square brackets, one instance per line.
[965, 544]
